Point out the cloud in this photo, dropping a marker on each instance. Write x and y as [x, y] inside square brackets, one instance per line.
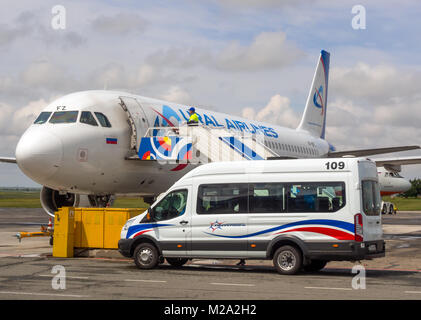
[147, 74]
[43, 74]
[374, 83]
[109, 76]
[277, 111]
[259, 3]
[267, 51]
[119, 24]
[32, 25]
[178, 95]
[14, 121]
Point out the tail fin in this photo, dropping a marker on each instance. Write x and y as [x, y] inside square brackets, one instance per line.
[314, 117]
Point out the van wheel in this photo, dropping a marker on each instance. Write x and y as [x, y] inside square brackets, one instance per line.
[287, 260]
[146, 256]
[177, 262]
[315, 265]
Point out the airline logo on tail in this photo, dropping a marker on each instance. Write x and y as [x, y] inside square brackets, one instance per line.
[318, 99]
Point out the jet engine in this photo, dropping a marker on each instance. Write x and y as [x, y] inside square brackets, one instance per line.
[52, 200]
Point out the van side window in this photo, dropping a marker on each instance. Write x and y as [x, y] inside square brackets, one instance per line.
[315, 196]
[371, 198]
[267, 198]
[171, 206]
[222, 199]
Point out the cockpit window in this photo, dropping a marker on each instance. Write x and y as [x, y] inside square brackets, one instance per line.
[42, 118]
[103, 120]
[395, 175]
[88, 118]
[64, 117]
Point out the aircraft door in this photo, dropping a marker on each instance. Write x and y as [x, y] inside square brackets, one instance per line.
[137, 119]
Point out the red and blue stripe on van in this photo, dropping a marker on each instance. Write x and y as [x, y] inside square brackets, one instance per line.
[137, 230]
[337, 229]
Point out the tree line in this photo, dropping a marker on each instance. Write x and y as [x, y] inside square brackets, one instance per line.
[415, 189]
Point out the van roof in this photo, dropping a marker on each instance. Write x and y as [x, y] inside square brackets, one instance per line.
[272, 166]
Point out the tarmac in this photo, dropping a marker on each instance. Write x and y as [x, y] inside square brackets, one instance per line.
[25, 270]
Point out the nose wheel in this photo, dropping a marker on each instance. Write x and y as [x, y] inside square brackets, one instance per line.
[101, 201]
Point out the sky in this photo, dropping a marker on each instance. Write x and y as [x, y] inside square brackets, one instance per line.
[251, 58]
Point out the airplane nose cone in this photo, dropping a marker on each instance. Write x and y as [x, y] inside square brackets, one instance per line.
[39, 154]
[406, 185]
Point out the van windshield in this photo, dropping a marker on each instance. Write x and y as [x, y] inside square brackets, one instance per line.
[371, 198]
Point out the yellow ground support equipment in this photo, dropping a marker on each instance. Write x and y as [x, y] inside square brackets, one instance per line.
[45, 232]
[64, 230]
[92, 227]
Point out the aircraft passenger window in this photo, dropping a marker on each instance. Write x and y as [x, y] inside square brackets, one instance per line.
[103, 120]
[88, 118]
[42, 118]
[64, 117]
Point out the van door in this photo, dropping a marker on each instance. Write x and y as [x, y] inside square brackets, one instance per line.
[172, 217]
[219, 221]
[371, 207]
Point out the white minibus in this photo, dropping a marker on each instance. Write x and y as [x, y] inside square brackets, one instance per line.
[299, 213]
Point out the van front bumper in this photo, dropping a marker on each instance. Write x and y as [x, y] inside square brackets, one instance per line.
[125, 247]
[340, 251]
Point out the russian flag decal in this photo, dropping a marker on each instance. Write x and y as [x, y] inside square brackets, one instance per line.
[111, 140]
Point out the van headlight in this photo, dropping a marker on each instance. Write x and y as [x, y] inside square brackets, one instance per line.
[128, 224]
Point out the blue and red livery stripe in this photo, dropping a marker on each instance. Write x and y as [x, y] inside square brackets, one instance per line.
[348, 234]
[139, 229]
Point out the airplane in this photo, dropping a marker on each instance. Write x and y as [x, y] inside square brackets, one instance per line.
[80, 148]
[389, 178]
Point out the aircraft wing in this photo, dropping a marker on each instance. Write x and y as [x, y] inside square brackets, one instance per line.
[7, 159]
[370, 152]
[381, 162]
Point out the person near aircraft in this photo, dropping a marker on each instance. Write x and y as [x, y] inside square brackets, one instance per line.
[194, 119]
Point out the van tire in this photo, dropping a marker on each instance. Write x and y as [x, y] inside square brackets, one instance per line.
[146, 256]
[177, 262]
[287, 260]
[315, 265]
